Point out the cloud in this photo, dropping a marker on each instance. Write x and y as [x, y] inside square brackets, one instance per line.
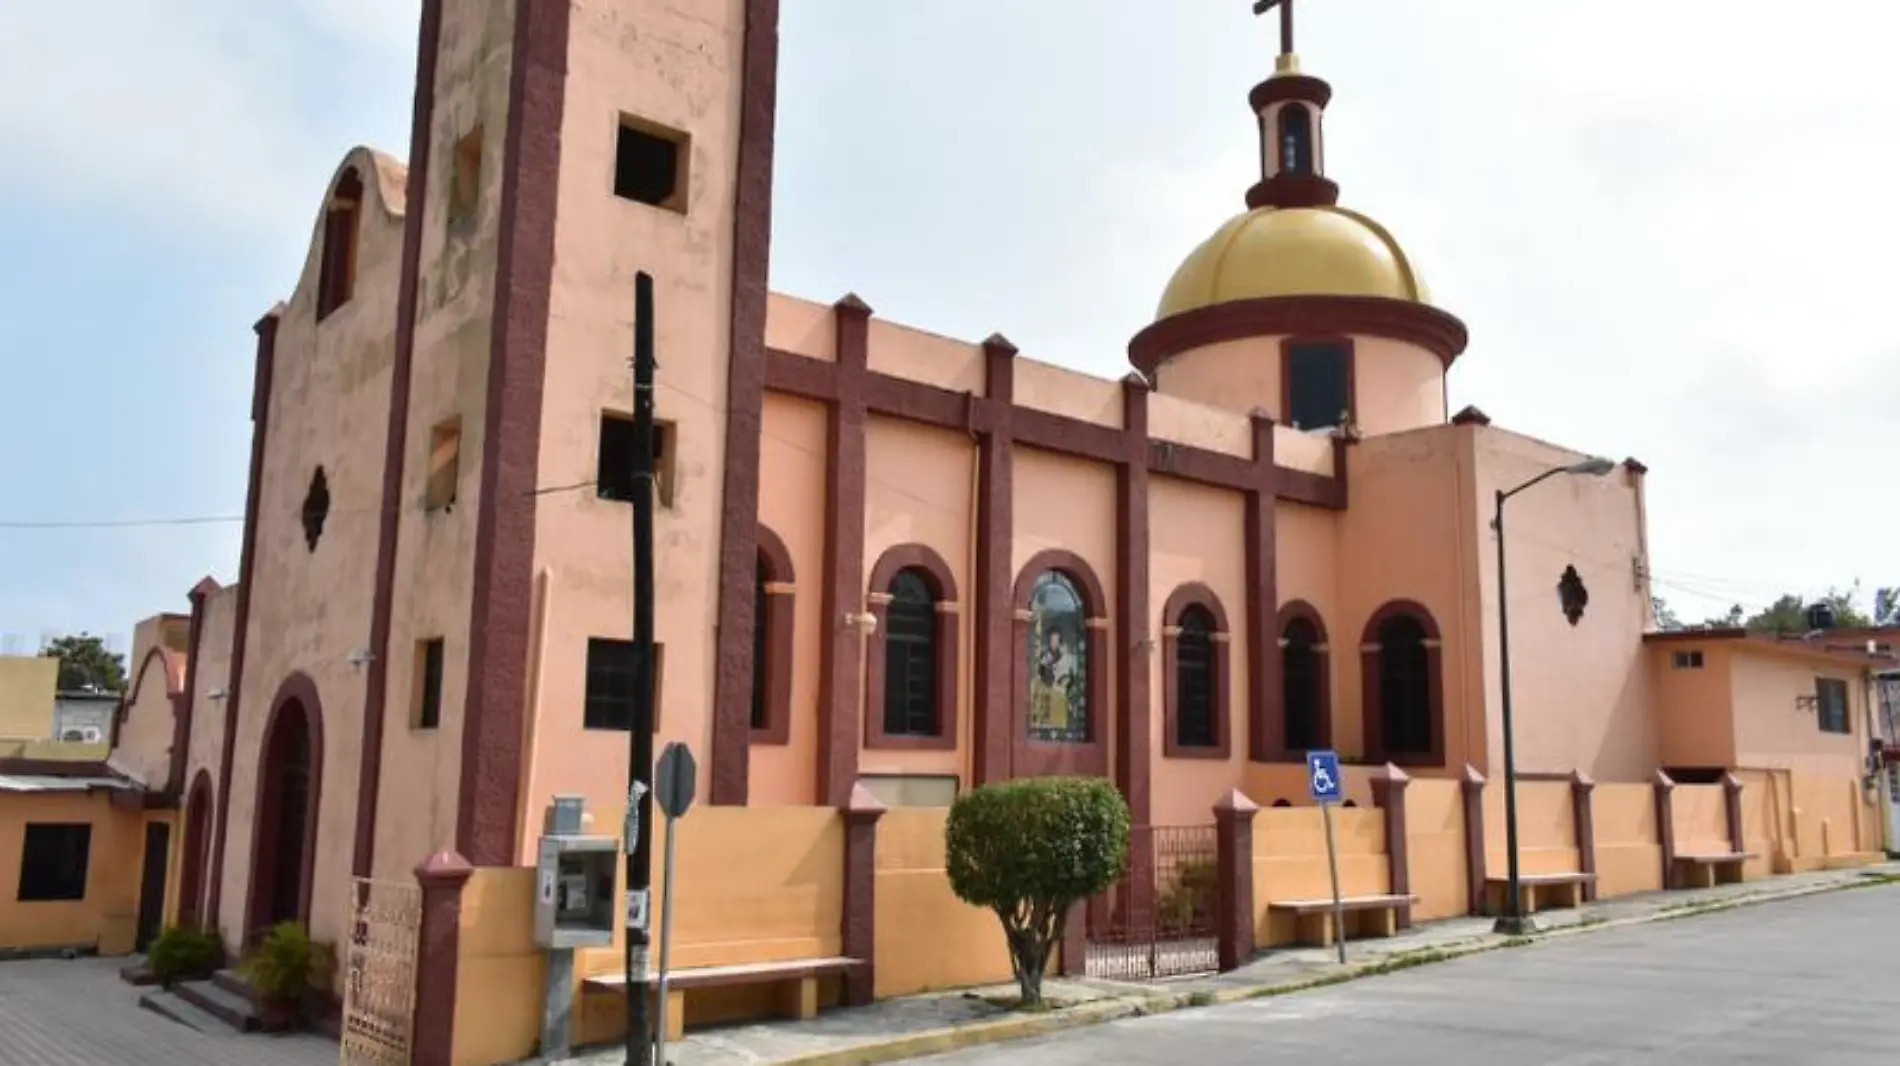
[206, 114]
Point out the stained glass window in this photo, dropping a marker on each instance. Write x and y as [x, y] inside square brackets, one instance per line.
[1058, 661]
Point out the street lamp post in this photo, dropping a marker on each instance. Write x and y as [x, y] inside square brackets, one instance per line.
[1514, 922]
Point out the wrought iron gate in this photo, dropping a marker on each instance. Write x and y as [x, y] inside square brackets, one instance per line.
[379, 974]
[1158, 920]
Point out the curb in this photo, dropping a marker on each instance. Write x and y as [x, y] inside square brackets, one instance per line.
[1004, 1030]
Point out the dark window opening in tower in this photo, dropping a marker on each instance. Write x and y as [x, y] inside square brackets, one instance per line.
[1319, 385]
[1296, 139]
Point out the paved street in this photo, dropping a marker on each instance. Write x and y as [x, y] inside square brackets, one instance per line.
[1813, 980]
[78, 1013]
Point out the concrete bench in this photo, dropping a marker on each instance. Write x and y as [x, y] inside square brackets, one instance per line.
[1705, 869]
[796, 981]
[1365, 916]
[1538, 891]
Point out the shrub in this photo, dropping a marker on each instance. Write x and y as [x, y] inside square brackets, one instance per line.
[185, 953]
[279, 969]
[1029, 850]
[1189, 902]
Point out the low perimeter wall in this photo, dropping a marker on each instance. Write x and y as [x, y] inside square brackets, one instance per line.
[765, 884]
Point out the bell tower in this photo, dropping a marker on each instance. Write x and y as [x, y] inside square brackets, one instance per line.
[1291, 109]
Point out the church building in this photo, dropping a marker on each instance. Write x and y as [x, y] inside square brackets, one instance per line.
[891, 566]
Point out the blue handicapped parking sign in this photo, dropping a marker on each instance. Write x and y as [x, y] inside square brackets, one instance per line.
[1322, 776]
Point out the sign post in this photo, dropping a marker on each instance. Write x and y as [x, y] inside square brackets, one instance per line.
[1326, 787]
[674, 781]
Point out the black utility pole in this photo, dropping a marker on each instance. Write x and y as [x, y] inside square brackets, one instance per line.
[640, 718]
[1513, 921]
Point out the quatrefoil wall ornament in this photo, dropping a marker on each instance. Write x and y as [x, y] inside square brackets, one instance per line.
[1572, 595]
[316, 508]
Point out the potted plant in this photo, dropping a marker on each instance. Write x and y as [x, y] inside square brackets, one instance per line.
[185, 953]
[278, 971]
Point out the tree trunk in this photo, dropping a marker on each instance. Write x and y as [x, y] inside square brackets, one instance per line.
[1028, 957]
[1031, 982]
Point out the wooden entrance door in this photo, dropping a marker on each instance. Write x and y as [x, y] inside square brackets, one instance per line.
[286, 818]
[158, 839]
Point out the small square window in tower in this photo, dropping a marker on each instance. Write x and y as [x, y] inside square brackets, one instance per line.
[465, 180]
[610, 683]
[613, 468]
[428, 698]
[445, 461]
[1318, 388]
[650, 164]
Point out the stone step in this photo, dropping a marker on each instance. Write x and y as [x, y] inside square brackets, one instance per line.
[137, 971]
[234, 1010]
[232, 982]
[171, 1005]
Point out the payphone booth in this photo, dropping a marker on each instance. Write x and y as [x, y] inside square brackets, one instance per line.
[573, 906]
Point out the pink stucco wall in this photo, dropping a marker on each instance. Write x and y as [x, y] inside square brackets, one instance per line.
[210, 693]
[1409, 534]
[146, 724]
[922, 489]
[1773, 732]
[309, 608]
[623, 59]
[435, 549]
[1693, 708]
[1196, 534]
[1396, 386]
[792, 475]
[1580, 693]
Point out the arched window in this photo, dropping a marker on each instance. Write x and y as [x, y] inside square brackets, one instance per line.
[1058, 650]
[1303, 685]
[1194, 680]
[910, 658]
[772, 605]
[336, 273]
[910, 698]
[1403, 686]
[1195, 675]
[1296, 139]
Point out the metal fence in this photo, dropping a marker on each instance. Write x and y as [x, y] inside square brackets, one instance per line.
[379, 976]
[1158, 920]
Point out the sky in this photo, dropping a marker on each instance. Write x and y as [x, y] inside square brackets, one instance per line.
[1671, 227]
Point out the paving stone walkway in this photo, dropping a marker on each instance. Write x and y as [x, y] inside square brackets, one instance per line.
[77, 1012]
[940, 1022]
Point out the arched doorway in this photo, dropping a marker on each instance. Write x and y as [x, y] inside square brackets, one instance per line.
[284, 835]
[191, 879]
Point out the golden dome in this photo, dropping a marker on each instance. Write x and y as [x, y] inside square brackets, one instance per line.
[1294, 251]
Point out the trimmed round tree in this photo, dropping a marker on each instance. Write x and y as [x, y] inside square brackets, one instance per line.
[1030, 850]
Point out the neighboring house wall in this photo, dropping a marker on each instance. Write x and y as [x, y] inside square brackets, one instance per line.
[1693, 709]
[84, 719]
[106, 917]
[27, 684]
[1774, 731]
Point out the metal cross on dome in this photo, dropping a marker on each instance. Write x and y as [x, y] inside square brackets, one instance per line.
[1261, 7]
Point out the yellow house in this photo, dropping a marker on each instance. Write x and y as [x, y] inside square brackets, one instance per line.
[87, 860]
[83, 864]
[27, 685]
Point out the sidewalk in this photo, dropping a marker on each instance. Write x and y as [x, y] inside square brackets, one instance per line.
[929, 1024]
